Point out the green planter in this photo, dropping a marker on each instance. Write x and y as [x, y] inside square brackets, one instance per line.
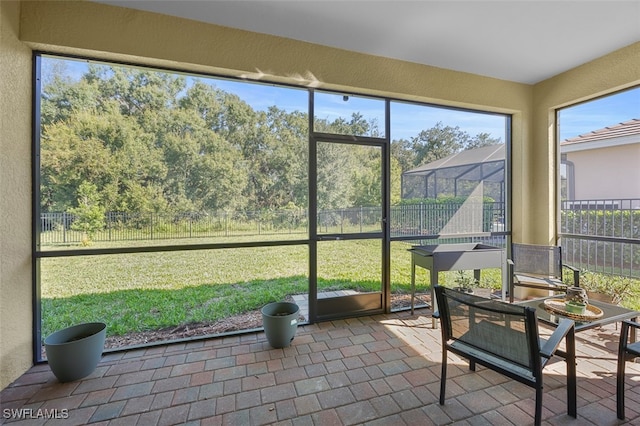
[74, 352]
[280, 322]
[576, 307]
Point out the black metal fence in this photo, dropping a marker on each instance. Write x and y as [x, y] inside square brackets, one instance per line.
[58, 228]
[602, 235]
[350, 220]
[447, 218]
[418, 219]
[596, 235]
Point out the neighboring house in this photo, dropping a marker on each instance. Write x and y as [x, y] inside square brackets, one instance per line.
[459, 174]
[475, 175]
[600, 165]
[603, 164]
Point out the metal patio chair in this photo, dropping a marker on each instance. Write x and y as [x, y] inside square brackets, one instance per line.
[503, 337]
[626, 352]
[538, 267]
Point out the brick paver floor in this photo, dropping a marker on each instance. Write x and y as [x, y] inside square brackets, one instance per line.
[375, 370]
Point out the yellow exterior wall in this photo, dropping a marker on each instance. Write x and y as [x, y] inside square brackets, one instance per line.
[152, 39]
[613, 72]
[15, 198]
[111, 33]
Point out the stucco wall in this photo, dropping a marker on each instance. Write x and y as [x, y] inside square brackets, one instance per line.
[111, 33]
[613, 72]
[148, 38]
[611, 172]
[15, 198]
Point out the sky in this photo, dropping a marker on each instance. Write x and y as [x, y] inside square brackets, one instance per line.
[599, 113]
[408, 119]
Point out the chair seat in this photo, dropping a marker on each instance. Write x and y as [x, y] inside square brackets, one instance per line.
[483, 357]
[540, 281]
[634, 349]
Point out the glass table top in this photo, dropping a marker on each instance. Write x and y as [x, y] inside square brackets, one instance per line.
[610, 313]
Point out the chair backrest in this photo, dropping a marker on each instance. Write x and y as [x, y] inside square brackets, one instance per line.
[537, 259]
[503, 330]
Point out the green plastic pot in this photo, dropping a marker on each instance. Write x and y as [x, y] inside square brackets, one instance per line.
[280, 322]
[74, 352]
[576, 307]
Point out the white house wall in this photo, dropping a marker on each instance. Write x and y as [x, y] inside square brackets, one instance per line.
[607, 173]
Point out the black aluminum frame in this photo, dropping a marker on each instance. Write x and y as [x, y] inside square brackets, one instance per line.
[311, 242]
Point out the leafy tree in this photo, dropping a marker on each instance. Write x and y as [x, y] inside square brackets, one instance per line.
[280, 165]
[335, 163]
[159, 142]
[441, 141]
[89, 215]
[61, 96]
[68, 158]
[205, 170]
[396, 182]
[437, 142]
[135, 91]
[482, 139]
[367, 179]
[402, 151]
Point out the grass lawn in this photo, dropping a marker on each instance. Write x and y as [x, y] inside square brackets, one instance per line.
[148, 291]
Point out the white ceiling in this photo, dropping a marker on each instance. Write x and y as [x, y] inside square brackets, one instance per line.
[522, 41]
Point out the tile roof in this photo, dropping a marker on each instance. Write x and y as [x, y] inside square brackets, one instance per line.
[626, 128]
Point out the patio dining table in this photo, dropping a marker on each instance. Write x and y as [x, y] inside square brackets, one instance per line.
[610, 314]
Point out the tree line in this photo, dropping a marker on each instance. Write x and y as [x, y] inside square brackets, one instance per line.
[137, 140]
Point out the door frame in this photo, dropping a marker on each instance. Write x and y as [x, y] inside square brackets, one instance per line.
[360, 304]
